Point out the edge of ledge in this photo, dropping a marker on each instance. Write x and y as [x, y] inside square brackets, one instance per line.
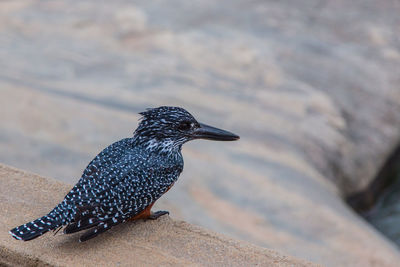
[25, 196]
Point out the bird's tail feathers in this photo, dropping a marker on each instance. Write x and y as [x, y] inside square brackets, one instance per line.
[81, 224]
[35, 228]
[100, 228]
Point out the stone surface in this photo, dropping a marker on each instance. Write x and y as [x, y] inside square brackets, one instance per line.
[164, 242]
[311, 87]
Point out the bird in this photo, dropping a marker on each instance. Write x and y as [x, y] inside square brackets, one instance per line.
[125, 179]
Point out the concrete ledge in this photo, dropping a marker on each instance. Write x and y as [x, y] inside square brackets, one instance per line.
[25, 196]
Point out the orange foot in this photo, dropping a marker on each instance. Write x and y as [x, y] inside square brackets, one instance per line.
[146, 214]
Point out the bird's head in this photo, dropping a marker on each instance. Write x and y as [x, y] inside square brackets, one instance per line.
[167, 128]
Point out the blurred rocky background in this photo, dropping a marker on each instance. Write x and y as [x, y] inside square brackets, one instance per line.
[312, 87]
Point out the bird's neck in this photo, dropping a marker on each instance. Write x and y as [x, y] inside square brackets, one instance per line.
[153, 145]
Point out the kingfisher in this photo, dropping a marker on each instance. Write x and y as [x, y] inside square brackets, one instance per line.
[124, 180]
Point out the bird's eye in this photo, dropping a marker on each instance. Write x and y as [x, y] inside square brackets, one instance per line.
[185, 126]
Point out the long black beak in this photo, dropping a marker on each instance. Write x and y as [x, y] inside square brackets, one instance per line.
[211, 133]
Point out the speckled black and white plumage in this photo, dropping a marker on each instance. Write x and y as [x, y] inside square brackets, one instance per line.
[123, 179]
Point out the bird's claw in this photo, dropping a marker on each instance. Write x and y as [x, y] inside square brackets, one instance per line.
[155, 215]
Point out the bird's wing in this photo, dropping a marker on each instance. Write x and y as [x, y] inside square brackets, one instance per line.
[96, 175]
[121, 191]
